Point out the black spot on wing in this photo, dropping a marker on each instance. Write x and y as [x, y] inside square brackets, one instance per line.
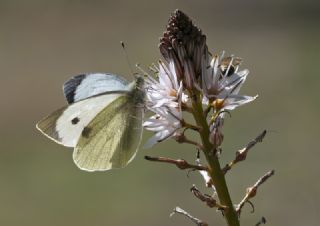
[70, 87]
[86, 132]
[75, 120]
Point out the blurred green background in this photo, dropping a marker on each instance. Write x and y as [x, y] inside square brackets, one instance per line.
[43, 43]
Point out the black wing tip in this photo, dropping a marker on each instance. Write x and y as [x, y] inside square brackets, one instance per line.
[70, 87]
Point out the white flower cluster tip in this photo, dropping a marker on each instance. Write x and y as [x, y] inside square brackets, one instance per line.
[164, 98]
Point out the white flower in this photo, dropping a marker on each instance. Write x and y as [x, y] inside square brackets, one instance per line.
[221, 83]
[217, 80]
[167, 91]
[232, 101]
[164, 123]
[165, 98]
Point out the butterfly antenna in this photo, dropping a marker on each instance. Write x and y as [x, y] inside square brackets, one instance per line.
[145, 73]
[127, 59]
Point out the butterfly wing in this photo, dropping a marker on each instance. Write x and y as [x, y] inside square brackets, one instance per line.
[65, 125]
[102, 121]
[112, 138]
[87, 85]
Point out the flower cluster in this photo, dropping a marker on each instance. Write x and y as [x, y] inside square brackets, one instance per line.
[188, 70]
[190, 79]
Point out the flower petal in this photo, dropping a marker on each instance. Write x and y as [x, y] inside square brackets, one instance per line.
[234, 101]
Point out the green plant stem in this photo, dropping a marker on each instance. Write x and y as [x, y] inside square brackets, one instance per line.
[214, 164]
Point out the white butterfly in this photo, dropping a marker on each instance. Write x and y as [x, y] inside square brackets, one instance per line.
[103, 121]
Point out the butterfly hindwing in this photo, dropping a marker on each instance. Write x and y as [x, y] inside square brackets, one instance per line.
[112, 138]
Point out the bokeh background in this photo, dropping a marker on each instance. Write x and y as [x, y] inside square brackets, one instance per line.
[43, 43]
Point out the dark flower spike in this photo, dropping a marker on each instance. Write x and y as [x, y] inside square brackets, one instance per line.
[184, 44]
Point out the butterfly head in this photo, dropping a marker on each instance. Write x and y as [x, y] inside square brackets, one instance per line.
[139, 83]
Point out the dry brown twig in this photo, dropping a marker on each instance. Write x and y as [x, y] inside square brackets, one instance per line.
[181, 138]
[180, 163]
[252, 191]
[185, 213]
[208, 199]
[241, 155]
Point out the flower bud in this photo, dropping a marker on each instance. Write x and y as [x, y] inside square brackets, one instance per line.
[184, 44]
[216, 136]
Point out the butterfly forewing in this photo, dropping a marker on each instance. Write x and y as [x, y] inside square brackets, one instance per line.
[65, 125]
[84, 86]
[47, 126]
